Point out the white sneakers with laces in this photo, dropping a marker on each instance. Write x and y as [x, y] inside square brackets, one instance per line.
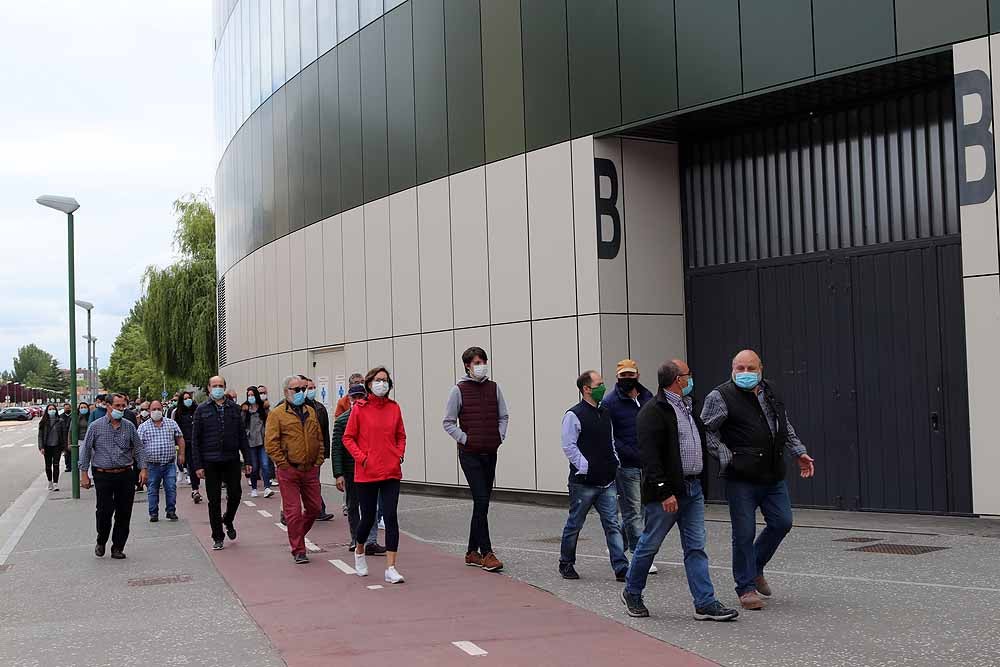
[361, 565]
[268, 492]
[392, 576]
[253, 493]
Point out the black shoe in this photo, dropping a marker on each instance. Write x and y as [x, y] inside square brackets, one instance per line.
[171, 516]
[374, 550]
[715, 612]
[99, 551]
[218, 545]
[117, 554]
[281, 518]
[634, 606]
[153, 518]
[230, 531]
[324, 517]
[68, 470]
[568, 571]
[353, 547]
[196, 497]
[621, 576]
[301, 559]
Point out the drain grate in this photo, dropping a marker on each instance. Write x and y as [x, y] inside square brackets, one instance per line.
[898, 549]
[157, 581]
[861, 540]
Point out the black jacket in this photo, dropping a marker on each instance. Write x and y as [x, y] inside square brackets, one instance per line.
[324, 423]
[60, 425]
[659, 448]
[210, 443]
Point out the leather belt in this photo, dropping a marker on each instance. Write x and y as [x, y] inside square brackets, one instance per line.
[129, 469]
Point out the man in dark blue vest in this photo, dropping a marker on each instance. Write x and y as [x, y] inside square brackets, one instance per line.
[588, 442]
[747, 430]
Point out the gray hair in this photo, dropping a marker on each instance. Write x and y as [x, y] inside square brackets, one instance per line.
[667, 374]
[288, 380]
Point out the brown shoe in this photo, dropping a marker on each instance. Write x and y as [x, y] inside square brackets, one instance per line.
[750, 600]
[763, 589]
[491, 563]
[473, 559]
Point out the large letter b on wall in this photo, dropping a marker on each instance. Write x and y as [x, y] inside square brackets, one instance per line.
[974, 133]
[607, 207]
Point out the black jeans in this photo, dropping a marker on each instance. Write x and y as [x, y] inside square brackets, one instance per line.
[195, 482]
[115, 493]
[217, 472]
[68, 457]
[480, 471]
[368, 493]
[52, 456]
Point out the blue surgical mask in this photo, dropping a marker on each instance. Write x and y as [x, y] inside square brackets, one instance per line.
[117, 414]
[251, 399]
[84, 411]
[52, 413]
[188, 402]
[746, 380]
[311, 394]
[298, 398]
[218, 393]
[689, 387]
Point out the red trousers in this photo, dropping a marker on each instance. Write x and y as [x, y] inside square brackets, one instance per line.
[301, 501]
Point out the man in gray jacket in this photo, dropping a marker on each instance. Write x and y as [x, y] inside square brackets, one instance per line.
[476, 417]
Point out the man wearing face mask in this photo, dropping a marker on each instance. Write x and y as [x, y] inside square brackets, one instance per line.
[748, 431]
[324, 422]
[99, 409]
[218, 442]
[623, 402]
[163, 442]
[671, 444]
[476, 417]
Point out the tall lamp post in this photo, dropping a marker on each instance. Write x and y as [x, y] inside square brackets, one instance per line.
[68, 205]
[88, 306]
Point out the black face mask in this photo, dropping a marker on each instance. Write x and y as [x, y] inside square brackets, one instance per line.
[627, 384]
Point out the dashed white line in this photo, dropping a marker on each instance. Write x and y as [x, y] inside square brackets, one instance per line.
[311, 546]
[284, 528]
[375, 587]
[249, 503]
[469, 648]
[342, 566]
[265, 513]
[6, 446]
[30, 444]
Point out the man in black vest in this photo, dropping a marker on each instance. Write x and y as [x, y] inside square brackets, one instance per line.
[589, 445]
[747, 430]
[671, 446]
[476, 417]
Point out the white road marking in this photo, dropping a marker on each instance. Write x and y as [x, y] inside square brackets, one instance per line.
[249, 504]
[375, 587]
[342, 566]
[265, 513]
[469, 648]
[30, 444]
[284, 528]
[6, 446]
[22, 511]
[311, 546]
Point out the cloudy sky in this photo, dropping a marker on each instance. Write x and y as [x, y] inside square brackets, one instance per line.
[110, 102]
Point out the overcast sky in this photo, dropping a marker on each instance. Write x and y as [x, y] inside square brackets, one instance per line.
[110, 102]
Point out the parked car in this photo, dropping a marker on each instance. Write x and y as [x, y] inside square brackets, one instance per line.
[37, 410]
[16, 414]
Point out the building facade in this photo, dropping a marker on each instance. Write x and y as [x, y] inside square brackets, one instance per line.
[569, 182]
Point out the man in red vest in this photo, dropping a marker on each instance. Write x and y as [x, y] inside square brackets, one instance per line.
[476, 417]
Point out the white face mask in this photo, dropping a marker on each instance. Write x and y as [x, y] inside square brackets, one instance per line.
[380, 388]
[481, 371]
[157, 415]
[144, 413]
[263, 397]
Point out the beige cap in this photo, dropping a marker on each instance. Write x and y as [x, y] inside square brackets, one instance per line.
[627, 365]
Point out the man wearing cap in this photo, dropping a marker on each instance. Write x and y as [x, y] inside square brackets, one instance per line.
[623, 403]
[343, 472]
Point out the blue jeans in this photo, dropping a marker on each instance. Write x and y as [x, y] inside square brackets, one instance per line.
[167, 474]
[605, 500]
[261, 463]
[749, 556]
[690, 516]
[629, 482]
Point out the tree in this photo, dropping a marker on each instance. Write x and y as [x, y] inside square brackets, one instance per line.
[179, 301]
[131, 364]
[34, 367]
[6, 376]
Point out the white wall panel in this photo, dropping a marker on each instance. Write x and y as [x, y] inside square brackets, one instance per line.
[378, 269]
[380, 354]
[286, 367]
[297, 291]
[270, 320]
[466, 338]
[507, 224]
[404, 250]
[434, 227]
[439, 375]
[550, 230]
[611, 272]
[614, 342]
[589, 341]
[354, 275]
[408, 390]
[316, 287]
[585, 225]
[982, 331]
[654, 339]
[511, 366]
[356, 356]
[282, 294]
[300, 363]
[261, 306]
[333, 280]
[470, 245]
[555, 369]
[651, 192]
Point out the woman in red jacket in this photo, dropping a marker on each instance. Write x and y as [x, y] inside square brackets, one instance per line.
[376, 439]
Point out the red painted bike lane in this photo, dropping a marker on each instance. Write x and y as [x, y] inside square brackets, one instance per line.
[316, 614]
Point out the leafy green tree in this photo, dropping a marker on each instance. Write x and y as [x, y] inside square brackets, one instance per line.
[6, 376]
[131, 364]
[34, 367]
[179, 301]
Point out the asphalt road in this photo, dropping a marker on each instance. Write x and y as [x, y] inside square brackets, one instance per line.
[19, 459]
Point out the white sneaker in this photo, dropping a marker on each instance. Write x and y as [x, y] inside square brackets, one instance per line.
[392, 576]
[253, 493]
[381, 524]
[50, 486]
[187, 479]
[268, 492]
[360, 565]
[55, 487]
[652, 569]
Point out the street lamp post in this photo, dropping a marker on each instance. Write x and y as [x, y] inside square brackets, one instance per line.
[88, 306]
[68, 205]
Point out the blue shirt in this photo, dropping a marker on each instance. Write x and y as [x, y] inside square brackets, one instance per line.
[160, 442]
[108, 447]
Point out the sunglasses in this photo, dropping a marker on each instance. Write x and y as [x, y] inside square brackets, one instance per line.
[296, 390]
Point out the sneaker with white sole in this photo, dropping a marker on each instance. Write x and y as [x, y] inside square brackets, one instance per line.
[187, 479]
[55, 486]
[253, 493]
[652, 569]
[381, 524]
[50, 486]
[360, 565]
[268, 492]
[392, 576]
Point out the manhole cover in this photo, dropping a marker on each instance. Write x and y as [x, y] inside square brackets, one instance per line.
[898, 549]
[157, 581]
[556, 540]
[861, 540]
